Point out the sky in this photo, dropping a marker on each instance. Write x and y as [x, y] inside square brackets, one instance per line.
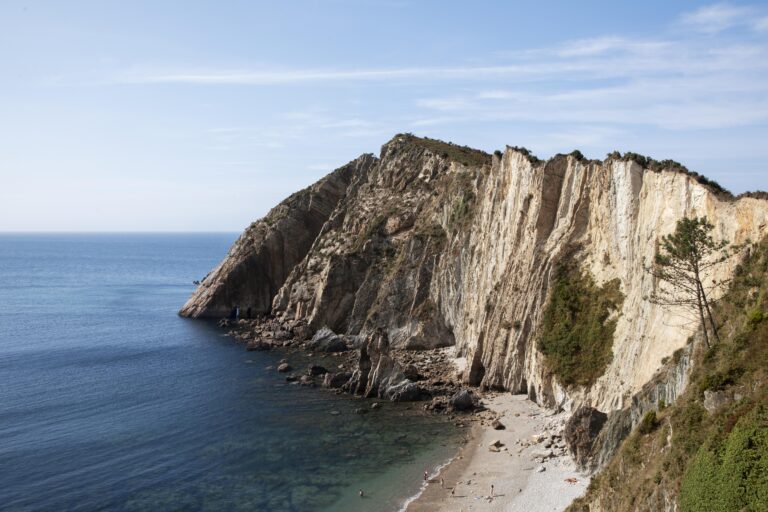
[201, 116]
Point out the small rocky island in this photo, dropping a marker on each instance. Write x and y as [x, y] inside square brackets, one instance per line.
[434, 271]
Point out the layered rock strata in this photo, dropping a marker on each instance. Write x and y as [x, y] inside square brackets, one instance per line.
[436, 245]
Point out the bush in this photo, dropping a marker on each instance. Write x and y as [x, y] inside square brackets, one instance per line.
[649, 423]
[577, 331]
[754, 316]
[731, 475]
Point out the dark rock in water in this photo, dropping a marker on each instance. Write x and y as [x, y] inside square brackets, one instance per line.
[258, 345]
[284, 367]
[325, 340]
[336, 380]
[581, 430]
[316, 370]
[361, 410]
[306, 380]
[463, 400]
[291, 378]
[497, 425]
[375, 405]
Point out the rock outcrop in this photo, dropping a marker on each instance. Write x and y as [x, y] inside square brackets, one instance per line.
[438, 245]
[261, 259]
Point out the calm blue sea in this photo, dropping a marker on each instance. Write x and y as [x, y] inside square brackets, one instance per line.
[110, 401]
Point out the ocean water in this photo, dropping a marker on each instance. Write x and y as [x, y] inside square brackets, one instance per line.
[110, 401]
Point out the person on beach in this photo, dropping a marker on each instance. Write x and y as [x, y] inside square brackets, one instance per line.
[361, 493]
[491, 491]
[453, 491]
[426, 475]
[442, 483]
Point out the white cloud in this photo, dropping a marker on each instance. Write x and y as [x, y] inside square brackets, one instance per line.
[717, 17]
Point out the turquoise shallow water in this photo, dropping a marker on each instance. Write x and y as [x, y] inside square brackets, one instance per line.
[110, 401]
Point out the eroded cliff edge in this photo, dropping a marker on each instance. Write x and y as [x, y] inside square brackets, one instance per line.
[435, 245]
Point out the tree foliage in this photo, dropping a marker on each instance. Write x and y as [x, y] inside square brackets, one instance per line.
[684, 263]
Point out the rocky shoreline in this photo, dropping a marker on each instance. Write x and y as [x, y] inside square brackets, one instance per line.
[361, 365]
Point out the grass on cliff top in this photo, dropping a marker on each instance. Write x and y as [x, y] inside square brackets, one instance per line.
[716, 461]
[461, 154]
[670, 165]
[576, 334]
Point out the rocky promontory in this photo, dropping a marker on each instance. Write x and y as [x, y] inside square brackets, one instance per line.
[434, 267]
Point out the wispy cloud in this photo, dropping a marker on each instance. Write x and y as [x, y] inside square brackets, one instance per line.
[679, 79]
[721, 16]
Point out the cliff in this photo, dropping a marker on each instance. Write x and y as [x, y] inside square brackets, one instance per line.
[437, 245]
[703, 446]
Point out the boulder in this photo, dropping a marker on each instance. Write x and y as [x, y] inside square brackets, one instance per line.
[497, 425]
[282, 335]
[403, 392]
[495, 446]
[713, 400]
[284, 367]
[411, 373]
[258, 345]
[336, 380]
[316, 370]
[302, 332]
[463, 400]
[306, 380]
[325, 340]
[581, 430]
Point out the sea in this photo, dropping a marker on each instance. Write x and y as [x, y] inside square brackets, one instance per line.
[111, 401]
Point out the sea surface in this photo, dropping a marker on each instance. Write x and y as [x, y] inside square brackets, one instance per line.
[110, 401]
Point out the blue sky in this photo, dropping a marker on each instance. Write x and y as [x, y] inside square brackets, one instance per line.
[201, 116]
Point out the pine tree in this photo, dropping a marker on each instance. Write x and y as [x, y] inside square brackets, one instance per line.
[684, 260]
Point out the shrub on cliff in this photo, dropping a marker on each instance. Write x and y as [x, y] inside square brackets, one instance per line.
[731, 474]
[577, 328]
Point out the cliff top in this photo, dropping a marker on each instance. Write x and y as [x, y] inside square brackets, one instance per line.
[474, 157]
[462, 154]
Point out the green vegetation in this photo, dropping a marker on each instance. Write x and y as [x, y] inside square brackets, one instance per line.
[670, 165]
[577, 328]
[649, 423]
[716, 461]
[461, 154]
[527, 152]
[731, 474]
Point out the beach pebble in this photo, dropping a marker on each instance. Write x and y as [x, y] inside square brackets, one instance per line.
[541, 469]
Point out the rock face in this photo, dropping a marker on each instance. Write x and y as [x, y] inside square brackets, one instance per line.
[260, 260]
[438, 245]
[581, 431]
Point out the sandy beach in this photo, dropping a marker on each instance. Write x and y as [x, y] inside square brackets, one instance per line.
[529, 472]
